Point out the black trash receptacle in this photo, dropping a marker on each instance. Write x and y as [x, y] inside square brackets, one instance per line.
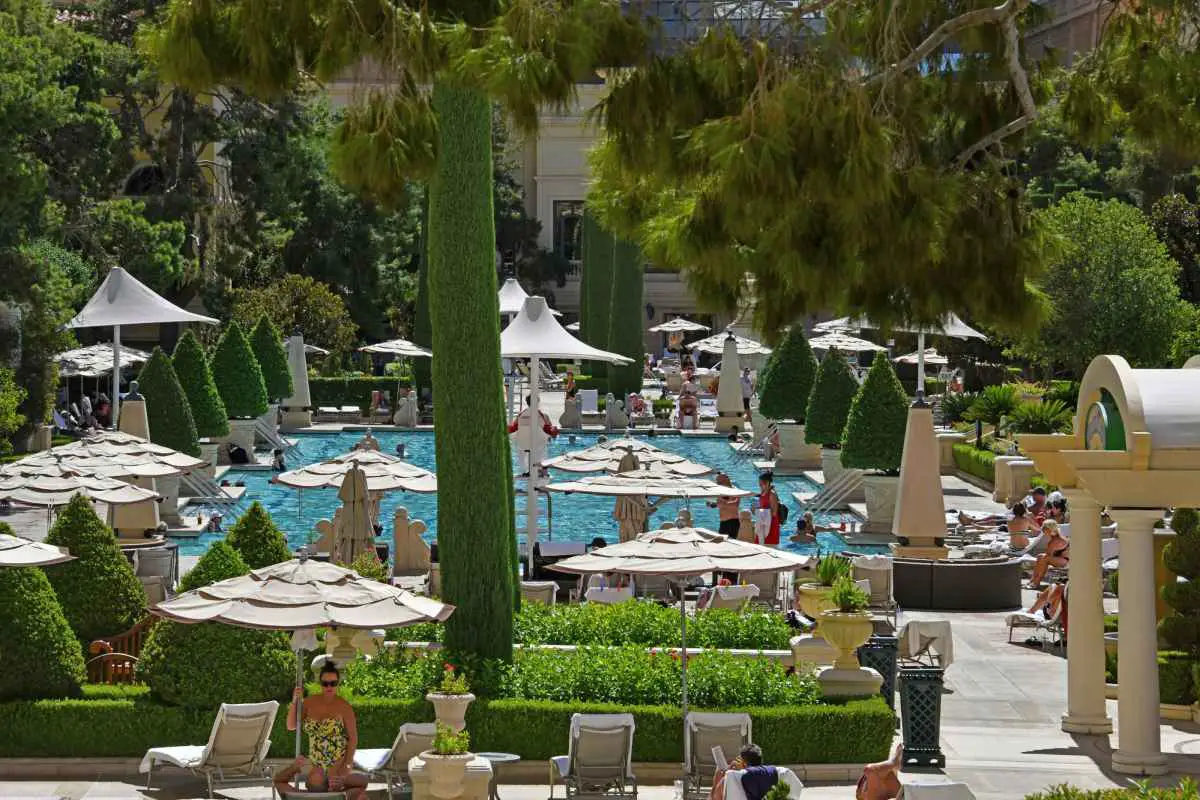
[879, 654]
[921, 716]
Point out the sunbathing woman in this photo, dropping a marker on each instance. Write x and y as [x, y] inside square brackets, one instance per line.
[332, 737]
[1057, 554]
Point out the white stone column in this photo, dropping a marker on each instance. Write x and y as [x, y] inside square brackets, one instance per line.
[1086, 712]
[1139, 746]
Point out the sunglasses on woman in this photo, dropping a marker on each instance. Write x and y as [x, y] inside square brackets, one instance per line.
[329, 684]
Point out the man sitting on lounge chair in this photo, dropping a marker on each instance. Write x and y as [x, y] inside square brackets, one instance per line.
[756, 779]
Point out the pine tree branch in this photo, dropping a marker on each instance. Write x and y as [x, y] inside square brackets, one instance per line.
[1020, 82]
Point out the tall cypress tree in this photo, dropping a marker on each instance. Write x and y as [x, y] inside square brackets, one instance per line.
[625, 319]
[167, 408]
[422, 333]
[267, 343]
[599, 300]
[191, 367]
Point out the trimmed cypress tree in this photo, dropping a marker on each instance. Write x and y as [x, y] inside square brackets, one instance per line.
[203, 665]
[99, 593]
[787, 381]
[598, 266]
[191, 368]
[422, 334]
[41, 657]
[625, 319]
[474, 474]
[267, 343]
[829, 405]
[167, 408]
[1181, 630]
[874, 435]
[257, 539]
[238, 375]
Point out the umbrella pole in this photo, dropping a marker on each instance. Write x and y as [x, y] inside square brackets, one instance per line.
[116, 387]
[920, 368]
[299, 707]
[683, 657]
[535, 459]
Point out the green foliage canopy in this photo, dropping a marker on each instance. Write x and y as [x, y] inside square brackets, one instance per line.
[625, 320]
[299, 303]
[267, 344]
[11, 397]
[829, 404]
[167, 409]
[239, 378]
[1181, 629]
[191, 367]
[874, 436]
[257, 539]
[787, 380]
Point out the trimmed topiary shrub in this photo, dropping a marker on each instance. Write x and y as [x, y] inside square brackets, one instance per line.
[267, 344]
[829, 405]
[874, 436]
[1181, 630]
[41, 657]
[238, 376]
[99, 593]
[257, 540]
[787, 381]
[167, 409]
[203, 665]
[1175, 678]
[191, 367]
[625, 320]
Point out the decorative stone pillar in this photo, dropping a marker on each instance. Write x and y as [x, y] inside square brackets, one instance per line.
[1022, 470]
[1086, 712]
[920, 519]
[476, 780]
[1139, 746]
[946, 442]
[1002, 485]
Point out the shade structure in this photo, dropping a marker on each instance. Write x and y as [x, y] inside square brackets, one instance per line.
[951, 325]
[930, 356]
[606, 457]
[55, 488]
[535, 334]
[512, 298]
[640, 483]
[715, 345]
[679, 325]
[398, 347]
[683, 553]
[18, 552]
[124, 300]
[843, 342]
[108, 454]
[297, 352]
[355, 534]
[95, 360]
[383, 473]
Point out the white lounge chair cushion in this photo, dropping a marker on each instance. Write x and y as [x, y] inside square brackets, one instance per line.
[373, 759]
[185, 756]
[601, 722]
[194, 756]
[623, 594]
[733, 783]
[1023, 619]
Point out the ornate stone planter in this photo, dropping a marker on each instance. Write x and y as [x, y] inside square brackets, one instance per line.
[451, 709]
[847, 631]
[814, 600]
[831, 466]
[880, 492]
[241, 433]
[446, 773]
[795, 454]
[208, 452]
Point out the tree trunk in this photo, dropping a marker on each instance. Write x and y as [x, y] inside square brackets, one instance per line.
[474, 477]
[625, 319]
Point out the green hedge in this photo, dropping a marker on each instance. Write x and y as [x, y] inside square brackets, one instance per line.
[970, 459]
[353, 390]
[1185, 790]
[124, 722]
[1175, 678]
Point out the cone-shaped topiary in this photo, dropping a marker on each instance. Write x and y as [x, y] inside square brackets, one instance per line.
[257, 540]
[625, 320]
[1181, 630]
[267, 344]
[167, 409]
[874, 436]
[238, 375]
[787, 380]
[203, 665]
[99, 593]
[41, 657]
[191, 367]
[829, 405]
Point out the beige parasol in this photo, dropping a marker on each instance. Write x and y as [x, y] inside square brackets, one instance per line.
[606, 457]
[647, 484]
[383, 473]
[18, 552]
[354, 533]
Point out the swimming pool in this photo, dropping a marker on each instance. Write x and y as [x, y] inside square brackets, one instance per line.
[575, 517]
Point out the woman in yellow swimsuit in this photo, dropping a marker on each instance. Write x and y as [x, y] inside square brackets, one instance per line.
[332, 737]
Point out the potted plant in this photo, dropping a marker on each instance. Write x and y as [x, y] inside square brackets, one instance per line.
[828, 409]
[447, 761]
[451, 697]
[783, 391]
[846, 624]
[874, 441]
[815, 597]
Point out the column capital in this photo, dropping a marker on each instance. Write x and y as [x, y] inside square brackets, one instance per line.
[1079, 498]
[1135, 518]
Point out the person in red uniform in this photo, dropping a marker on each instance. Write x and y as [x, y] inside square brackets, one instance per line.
[768, 499]
[549, 428]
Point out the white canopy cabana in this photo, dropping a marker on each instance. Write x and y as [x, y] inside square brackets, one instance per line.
[512, 298]
[96, 360]
[384, 473]
[929, 356]
[679, 325]
[398, 347]
[535, 334]
[124, 300]
[607, 457]
[649, 485]
[844, 343]
[18, 552]
[715, 345]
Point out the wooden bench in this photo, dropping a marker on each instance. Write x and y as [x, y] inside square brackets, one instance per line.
[114, 660]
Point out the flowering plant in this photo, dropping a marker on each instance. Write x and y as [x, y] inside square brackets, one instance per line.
[453, 682]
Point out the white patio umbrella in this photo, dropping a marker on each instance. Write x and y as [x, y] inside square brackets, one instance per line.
[715, 345]
[929, 355]
[679, 325]
[398, 347]
[951, 325]
[96, 360]
[606, 457]
[844, 343]
[298, 596]
[124, 300]
[18, 552]
[109, 454]
[52, 489]
[512, 299]
[683, 553]
[383, 473]
[535, 334]
[355, 533]
[648, 484]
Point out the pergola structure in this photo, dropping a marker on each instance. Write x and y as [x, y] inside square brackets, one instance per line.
[1135, 450]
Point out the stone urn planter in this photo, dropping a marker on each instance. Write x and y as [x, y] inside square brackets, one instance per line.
[446, 772]
[795, 454]
[846, 631]
[814, 599]
[880, 492]
[451, 709]
[209, 452]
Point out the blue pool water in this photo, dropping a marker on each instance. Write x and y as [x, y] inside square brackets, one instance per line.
[575, 517]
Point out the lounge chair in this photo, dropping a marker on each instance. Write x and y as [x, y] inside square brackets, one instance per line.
[391, 763]
[768, 588]
[734, 790]
[732, 598]
[609, 595]
[1039, 622]
[599, 760]
[702, 732]
[877, 571]
[543, 592]
[236, 750]
[157, 562]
